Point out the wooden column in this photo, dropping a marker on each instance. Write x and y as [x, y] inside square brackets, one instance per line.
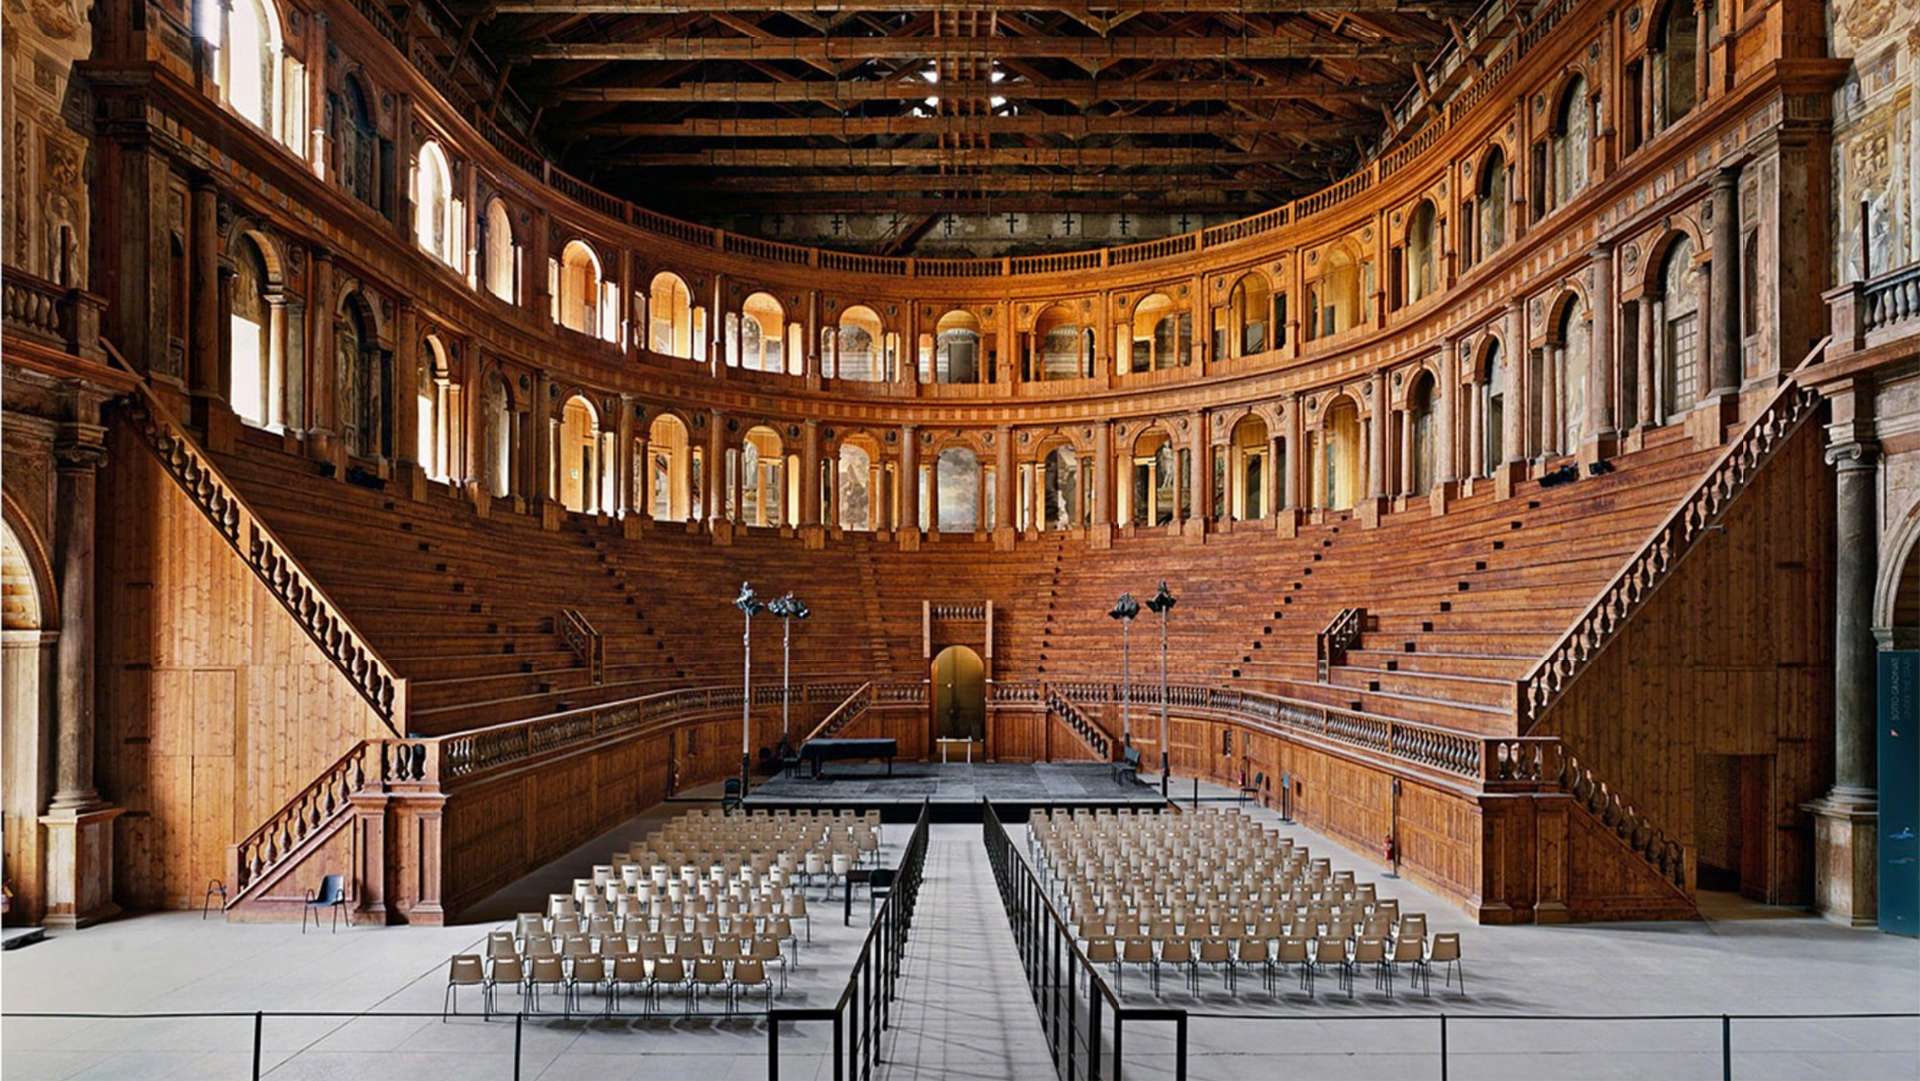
[405, 407]
[1007, 489]
[540, 436]
[1406, 452]
[1296, 451]
[1103, 474]
[320, 361]
[1602, 359]
[203, 351]
[1513, 434]
[1377, 451]
[909, 479]
[1202, 476]
[623, 461]
[810, 466]
[716, 494]
[1723, 326]
[1650, 319]
[1447, 450]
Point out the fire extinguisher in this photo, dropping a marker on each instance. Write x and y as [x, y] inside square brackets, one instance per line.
[1390, 852]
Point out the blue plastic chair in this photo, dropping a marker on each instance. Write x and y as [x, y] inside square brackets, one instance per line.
[332, 894]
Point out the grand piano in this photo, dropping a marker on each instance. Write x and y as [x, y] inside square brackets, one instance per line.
[816, 752]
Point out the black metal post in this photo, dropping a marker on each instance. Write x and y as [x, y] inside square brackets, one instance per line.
[1443, 1045]
[1726, 1048]
[259, 1022]
[1180, 1046]
[773, 1052]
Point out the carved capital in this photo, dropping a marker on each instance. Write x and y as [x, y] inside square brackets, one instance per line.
[79, 448]
[1851, 445]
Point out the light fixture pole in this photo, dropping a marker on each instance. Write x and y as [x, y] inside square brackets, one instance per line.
[749, 604]
[1124, 610]
[788, 608]
[1162, 602]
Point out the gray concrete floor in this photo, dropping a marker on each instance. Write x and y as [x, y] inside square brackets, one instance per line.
[175, 962]
[1762, 961]
[964, 1011]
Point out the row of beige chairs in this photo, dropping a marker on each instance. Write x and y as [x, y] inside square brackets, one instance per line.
[648, 978]
[1216, 889]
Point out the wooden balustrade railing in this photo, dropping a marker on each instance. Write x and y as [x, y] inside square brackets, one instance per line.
[586, 642]
[324, 799]
[298, 591]
[1342, 632]
[849, 710]
[67, 319]
[1088, 730]
[1670, 541]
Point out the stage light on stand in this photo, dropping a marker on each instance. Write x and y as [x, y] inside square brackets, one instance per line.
[788, 608]
[1162, 602]
[749, 605]
[1124, 610]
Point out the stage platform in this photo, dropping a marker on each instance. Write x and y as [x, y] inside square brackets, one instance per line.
[955, 789]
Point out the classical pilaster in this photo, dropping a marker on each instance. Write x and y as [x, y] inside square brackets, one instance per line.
[1723, 298]
[626, 452]
[203, 341]
[320, 365]
[909, 479]
[716, 493]
[1598, 437]
[1006, 490]
[405, 405]
[78, 824]
[810, 469]
[1846, 819]
[1101, 533]
[1514, 361]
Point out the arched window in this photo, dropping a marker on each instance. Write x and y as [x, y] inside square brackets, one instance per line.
[957, 472]
[1421, 275]
[1158, 336]
[763, 478]
[358, 139]
[1492, 410]
[1676, 53]
[1679, 327]
[668, 480]
[1569, 355]
[670, 316]
[956, 349]
[253, 367]
[1058, 339]
[1150, 496]
[430, 398]
[1340, 455]
[763, 334]
[576, 459]
[252, 65]
[499, 254]
[1340, 293]
[365, 380]
[1061, 495]
[1249, 306]
[1420, 427]
[857, 483]
[578, 299]
[859, 347]
[1490, 203]
[498, 436]
[1572, 142]
[1247, 469]
[436, 213]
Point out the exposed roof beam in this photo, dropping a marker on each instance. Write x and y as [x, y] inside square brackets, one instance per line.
[807, 184]
[1100, 9]
[850, 92]
[907, 157]
[1025, 124]
[831, 50]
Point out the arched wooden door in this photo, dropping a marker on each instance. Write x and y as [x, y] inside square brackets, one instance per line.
[959, 696]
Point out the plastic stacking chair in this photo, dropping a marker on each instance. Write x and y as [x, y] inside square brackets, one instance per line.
[629, 971]
[709, 973]
[1215, 954]
[506, 972]
[1329, 951]
[1292, 950]
[332, 894]
[547, 972]
[466, 970]
[1252, 953]
[797, 910]
[1177, 952]
[591, 972]
[669, 973]
[747, 975]
[1444, 950]
[1365, 953]
[766, 950]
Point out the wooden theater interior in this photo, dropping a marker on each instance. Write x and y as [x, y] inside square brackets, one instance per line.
[1457, 459]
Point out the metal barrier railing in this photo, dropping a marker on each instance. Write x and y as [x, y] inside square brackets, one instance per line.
[1083, 1019]
[865, 1007]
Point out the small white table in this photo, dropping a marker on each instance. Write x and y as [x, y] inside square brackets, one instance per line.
[943, 741]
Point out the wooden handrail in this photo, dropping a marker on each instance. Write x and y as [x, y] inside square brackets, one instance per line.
[1090, 730]
[851, 707]
[324, 799]
[272, 560]
[586, 642]
[1666, 546]
[1342, 631]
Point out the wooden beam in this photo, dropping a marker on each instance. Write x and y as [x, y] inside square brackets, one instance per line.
[909, 157]
[688, 203]
[1104, 50]
[1291, 128]
[802, 184]
[1076, 9]
[1085, 90]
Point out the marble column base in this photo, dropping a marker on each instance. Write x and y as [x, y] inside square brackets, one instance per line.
[1846, 881]
[79, 853]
